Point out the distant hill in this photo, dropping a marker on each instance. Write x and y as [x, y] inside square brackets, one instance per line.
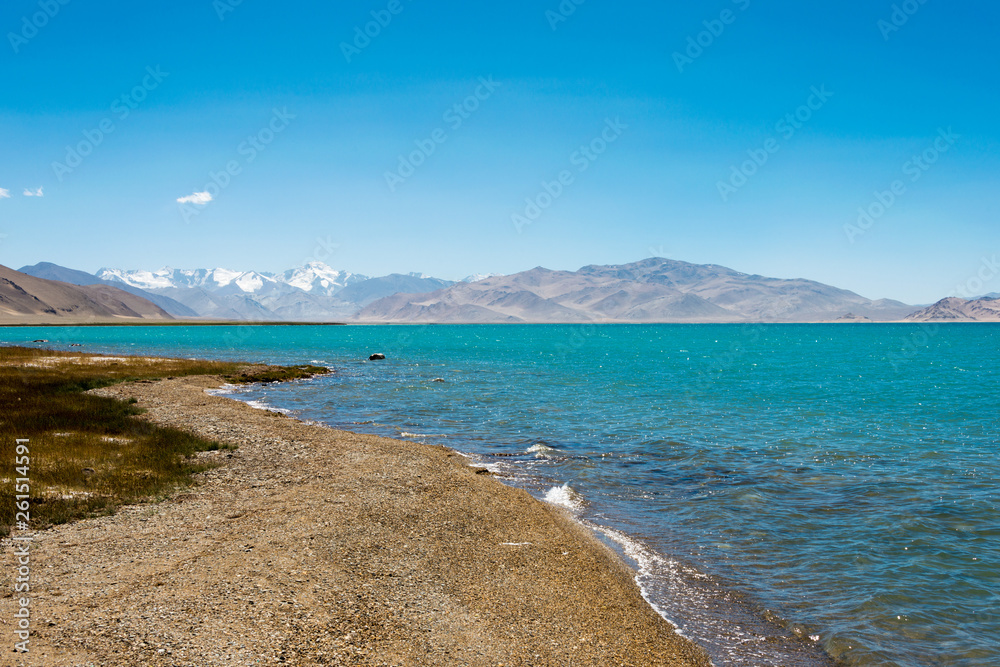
[851, 317]
[50, 271]
[954, 309]
[373, 289]
[27, 299]
[652, 290]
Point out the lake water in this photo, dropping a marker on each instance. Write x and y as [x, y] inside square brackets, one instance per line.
[787, 492]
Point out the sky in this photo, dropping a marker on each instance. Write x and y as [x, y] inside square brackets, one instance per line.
[853, 143]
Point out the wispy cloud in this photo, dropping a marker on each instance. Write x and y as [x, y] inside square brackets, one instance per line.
[197, 198]
[33, 193]
[4, 193]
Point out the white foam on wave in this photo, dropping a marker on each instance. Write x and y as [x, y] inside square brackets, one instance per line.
[227, 389]
[542, 451]
[564, 496]
[647, 561]
[261, 405]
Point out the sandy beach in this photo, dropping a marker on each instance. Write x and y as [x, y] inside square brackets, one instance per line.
[310, 546]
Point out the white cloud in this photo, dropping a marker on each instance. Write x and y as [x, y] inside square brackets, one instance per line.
[4, 193]
[201, 198]
[33, 193]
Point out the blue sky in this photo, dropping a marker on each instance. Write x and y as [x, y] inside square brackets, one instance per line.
[754, 148]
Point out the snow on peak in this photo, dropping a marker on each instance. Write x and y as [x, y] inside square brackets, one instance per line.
[476, 277]
[314, 276]
[140, 279]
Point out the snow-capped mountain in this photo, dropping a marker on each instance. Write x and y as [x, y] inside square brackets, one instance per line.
[211, 279]
[314, 277]
[312, 292]
[476, 277]
[318, 278]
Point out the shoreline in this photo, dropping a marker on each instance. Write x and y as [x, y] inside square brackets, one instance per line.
[316, 546]
[242, 323]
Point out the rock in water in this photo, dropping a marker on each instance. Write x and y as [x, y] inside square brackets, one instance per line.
[378, 356]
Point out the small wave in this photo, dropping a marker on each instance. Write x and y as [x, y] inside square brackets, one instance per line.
[542, 451]
[647, 563]
[261, 405]
[227, 389]
[564, 496]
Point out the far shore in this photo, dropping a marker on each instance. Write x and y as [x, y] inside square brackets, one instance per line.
[243, 323]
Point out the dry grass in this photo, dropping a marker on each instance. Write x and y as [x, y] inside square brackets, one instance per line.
[90, 454]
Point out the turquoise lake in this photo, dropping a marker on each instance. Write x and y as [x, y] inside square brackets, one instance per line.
[790, 494]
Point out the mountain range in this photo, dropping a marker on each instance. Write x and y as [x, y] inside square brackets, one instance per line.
[311, 293]
[29, 300]
[651, 290]
[954, 309]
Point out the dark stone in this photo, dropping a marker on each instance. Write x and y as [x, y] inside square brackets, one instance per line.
[378, 356]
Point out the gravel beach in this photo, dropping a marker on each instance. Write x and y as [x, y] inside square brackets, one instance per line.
[311, 546]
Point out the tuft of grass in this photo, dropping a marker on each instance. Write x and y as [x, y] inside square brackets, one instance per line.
[90, 454]
[267, 374]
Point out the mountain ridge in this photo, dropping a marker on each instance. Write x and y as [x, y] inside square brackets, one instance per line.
[50, 271]
[650, 290]
[30, 300]
[956, 309]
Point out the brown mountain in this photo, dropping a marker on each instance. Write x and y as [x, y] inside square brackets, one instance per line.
[954, 309]
[29, 300]
[652, 290]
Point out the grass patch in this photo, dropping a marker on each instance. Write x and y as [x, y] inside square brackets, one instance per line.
[261, 373]
[90, 454]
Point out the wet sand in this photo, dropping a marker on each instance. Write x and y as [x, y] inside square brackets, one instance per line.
[311, 546]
